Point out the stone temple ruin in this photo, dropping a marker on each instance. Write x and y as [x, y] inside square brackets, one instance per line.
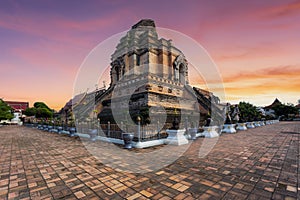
[149, 80]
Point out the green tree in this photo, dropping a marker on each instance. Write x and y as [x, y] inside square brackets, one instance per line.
[5, 111]
[39, 110]
[41, 105]
[285, 110]
[30, 111]
[43, 113]
[248, 112]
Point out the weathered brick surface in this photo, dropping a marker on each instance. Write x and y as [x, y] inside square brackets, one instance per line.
[261, 163]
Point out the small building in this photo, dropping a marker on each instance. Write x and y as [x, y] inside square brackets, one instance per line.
[18, 108]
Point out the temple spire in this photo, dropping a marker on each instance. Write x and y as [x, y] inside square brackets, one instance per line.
[144, 23]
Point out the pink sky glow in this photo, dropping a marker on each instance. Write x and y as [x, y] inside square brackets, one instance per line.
[255, 44]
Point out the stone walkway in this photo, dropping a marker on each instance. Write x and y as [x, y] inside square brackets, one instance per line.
[261, 163]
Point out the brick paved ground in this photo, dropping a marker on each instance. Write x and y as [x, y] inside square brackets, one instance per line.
[261, 163]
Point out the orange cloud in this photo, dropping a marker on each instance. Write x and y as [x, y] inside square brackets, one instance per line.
[246, 52]
[278, 72]
[263, 88]
[263, 93]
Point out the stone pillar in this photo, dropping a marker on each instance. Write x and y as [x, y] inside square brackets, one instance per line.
[126, 63]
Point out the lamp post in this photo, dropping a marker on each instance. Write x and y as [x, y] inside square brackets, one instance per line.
[88, 121]
[99, 126]
[186, 124]
[158, 130]
[53, 117]
[66, 119]
[108, 128]
[139, 128]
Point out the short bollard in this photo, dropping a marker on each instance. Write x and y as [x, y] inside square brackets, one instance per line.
[72, 131]
[127, 138]
[45, 127]
[193, 132]
[59, 129]
[93, 134]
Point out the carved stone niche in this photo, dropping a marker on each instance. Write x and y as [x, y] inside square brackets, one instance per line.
[117, 70]
[180, 70]
[148, 87]
[160, 88]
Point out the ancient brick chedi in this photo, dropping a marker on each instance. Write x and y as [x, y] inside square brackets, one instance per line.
[149, 79]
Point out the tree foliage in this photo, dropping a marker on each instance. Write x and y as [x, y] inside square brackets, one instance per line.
[39, 110]
[43, 113]
[41, 105]
[248, 112]
[30, 111]
[285, 110]
[5, 111]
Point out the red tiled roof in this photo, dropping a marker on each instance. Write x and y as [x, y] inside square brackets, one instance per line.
[18, 105]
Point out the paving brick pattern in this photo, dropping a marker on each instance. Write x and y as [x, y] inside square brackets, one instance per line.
[261, 163]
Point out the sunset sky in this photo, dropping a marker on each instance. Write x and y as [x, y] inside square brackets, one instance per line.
[255, 44]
